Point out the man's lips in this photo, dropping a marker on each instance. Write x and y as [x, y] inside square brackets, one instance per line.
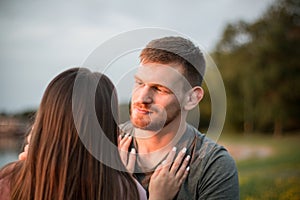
[142, 110]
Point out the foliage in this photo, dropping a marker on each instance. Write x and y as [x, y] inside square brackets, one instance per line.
[261, 70]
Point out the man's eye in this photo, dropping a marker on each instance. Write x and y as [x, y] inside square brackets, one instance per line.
[138, 83]
[162, 90]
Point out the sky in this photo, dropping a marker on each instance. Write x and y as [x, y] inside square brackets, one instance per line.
[40, 39]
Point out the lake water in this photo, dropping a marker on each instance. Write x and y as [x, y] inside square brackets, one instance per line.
[7, 157]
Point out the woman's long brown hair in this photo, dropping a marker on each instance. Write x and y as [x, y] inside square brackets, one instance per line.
[58, 165]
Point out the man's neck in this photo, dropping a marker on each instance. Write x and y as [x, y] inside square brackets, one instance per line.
[151, 141]
[152, 150]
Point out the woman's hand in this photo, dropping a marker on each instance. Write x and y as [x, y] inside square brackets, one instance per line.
[23, 155]
[123, 145]
[168, 177]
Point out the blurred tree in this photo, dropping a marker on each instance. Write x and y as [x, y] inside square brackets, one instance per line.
[261, 70]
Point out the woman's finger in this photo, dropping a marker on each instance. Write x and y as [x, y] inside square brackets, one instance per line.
[183, 168]
[185, 174]
[123, 155]
[28, 138]
[158, 169]
[125, 142]
[178, 161]
[119, 140]
[23, 156]
[169, 160]
[131, 160]
[123, 149]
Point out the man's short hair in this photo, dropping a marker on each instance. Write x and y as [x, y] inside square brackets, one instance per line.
[177, 50]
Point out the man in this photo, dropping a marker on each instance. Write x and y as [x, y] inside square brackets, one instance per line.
[167, 86]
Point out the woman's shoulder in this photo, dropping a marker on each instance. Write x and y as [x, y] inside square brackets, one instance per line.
[7, 169]
[5, 188]
[141, 190]
[5, 178]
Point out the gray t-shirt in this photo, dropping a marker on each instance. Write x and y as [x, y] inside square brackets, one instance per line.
[213, 173]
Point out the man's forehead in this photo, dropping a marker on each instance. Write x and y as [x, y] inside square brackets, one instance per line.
[161, 74]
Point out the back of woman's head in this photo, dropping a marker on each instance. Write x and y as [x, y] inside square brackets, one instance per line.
[60, 162]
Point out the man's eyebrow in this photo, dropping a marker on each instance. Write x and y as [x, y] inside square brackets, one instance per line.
[162, 87]
[159, 85]
[136, 77]
[153, 84]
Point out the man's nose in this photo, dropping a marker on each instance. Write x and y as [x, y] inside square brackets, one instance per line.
[144, 95]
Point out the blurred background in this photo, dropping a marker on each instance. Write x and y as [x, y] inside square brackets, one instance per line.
[255, 45]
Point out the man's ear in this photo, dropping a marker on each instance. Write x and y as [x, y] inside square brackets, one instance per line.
[193, 97]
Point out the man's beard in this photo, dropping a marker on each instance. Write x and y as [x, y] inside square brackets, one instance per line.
[155, 120]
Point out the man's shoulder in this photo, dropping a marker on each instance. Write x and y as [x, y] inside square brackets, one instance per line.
[204, 147]
[213, 171]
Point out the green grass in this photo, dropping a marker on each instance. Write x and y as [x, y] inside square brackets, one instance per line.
[276, 176]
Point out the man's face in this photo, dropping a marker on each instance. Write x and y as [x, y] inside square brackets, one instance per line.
[157, 95]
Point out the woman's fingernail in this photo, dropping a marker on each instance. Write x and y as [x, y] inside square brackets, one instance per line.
[188, 168]
[174, 149]
[163, 162]
[188, 157]
[133, 151]
[183, 150]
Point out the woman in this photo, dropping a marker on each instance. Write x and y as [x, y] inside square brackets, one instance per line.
[60, 162]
